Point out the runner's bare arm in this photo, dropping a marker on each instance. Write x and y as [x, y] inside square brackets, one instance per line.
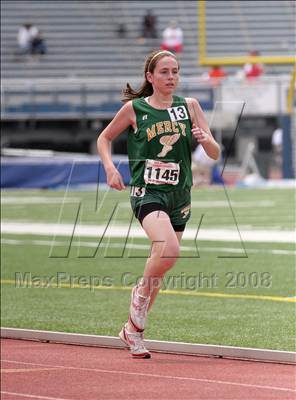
[201, 130]
[122, 120]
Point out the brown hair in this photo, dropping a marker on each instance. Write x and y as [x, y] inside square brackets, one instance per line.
[146, 89]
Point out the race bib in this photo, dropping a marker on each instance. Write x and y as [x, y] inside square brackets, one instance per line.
[159, 173]
[178, 113]
[137, 191]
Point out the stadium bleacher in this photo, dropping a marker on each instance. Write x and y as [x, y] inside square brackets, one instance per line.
[237, 27]
[83, 42]
[82, 37]
[87, 64]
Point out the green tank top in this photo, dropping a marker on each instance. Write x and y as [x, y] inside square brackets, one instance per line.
[159, 150]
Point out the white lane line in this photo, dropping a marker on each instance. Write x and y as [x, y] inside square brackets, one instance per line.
[181, 378]
[39, 200]
[32, 396]
[222, 203]
[16, 242]
[235, 204]
[126, 204]
[268, 236]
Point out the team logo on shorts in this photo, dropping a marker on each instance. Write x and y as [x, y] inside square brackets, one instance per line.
[185, 211]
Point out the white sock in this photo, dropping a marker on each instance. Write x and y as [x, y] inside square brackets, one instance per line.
[141, 297]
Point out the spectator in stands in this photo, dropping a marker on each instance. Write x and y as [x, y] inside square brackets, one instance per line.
[172, 38]
[149, 25]
[121, 30]
[277, 146]
[38, 46]
[26, 34]
[253, 69]
[202, 167]
[216, 74]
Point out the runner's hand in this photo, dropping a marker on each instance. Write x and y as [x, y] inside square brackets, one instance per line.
[200, 135]
[114, 179]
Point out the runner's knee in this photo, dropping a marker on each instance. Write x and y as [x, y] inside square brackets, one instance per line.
[166, 254]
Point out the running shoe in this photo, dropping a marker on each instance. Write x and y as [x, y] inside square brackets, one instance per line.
[138, 310]
[135, 342]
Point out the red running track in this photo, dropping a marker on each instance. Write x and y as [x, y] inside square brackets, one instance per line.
[35, 370]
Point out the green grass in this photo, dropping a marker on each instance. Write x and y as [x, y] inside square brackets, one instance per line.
[269, 208]
[198, 320]
[182, 316]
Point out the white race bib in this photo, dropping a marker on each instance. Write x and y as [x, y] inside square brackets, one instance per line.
[178, 113]
[159, 173]
[137, 191]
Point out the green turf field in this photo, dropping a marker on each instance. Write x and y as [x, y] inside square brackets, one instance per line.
[221, 291]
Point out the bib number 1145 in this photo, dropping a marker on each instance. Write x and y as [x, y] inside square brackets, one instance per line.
[159, 173]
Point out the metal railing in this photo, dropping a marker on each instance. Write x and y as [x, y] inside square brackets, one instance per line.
[79, 98]
[101, 98]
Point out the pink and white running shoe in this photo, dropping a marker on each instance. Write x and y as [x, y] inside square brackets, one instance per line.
[135, 342]
[138, 310]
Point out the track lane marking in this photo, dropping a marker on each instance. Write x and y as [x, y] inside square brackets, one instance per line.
[14, 200]
[211, 234]
[32, 396]
[21, 242]
[14, 370]
[118, 372]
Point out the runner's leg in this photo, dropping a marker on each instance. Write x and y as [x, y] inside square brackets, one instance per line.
[164, 253]
[156, 289]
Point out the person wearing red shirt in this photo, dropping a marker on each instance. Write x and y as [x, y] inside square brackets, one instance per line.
[253, 69]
